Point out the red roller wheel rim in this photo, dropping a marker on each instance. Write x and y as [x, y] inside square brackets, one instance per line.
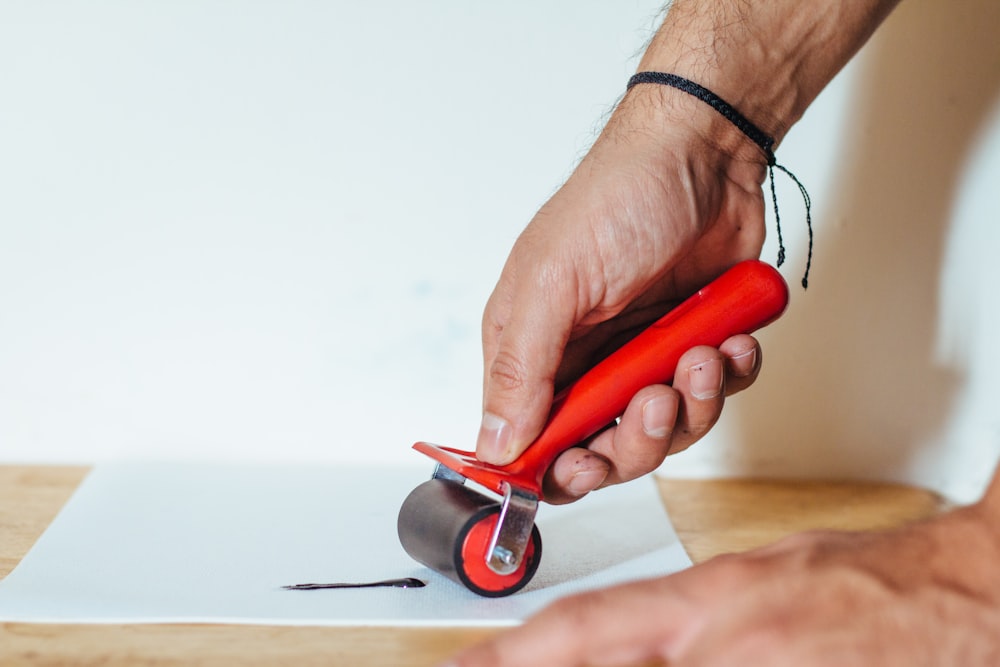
[470, 559]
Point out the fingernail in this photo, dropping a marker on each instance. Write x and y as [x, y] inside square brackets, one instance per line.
[494, 439]
[706, 379]
[744, 363]
[586, 481]
[656, 417]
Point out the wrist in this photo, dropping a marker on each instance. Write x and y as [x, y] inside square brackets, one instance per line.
[768, 60]
[672, 123]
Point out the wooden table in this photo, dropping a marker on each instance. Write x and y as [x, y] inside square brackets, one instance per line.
[711, 517]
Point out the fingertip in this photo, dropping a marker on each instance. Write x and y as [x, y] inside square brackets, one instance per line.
[575, 473]
[706, 379]
[742, 355]
[494, 442]
[658, 414]
[586, 481]
[743, 364]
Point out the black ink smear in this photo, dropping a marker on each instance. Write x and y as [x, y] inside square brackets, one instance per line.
[408, 582]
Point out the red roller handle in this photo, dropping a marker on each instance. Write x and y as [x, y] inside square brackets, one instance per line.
[745, 298]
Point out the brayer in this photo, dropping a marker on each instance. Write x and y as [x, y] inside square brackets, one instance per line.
[491, 545]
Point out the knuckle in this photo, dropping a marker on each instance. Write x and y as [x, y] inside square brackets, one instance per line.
[736, 570]
[507, 372]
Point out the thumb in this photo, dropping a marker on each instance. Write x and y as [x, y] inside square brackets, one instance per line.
[523, 344]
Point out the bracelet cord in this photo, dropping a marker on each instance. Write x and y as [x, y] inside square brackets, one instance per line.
[755, 134]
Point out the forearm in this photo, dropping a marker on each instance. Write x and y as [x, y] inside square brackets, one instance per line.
[768, 58]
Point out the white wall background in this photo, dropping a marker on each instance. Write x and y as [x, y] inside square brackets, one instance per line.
[266, 231]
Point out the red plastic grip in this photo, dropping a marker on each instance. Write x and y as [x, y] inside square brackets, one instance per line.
[745, 298]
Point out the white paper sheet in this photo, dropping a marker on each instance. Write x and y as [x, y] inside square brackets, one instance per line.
[161, 543]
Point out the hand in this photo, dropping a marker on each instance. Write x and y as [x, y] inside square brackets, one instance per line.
[928, 594]
[668, 198]
[660, 420]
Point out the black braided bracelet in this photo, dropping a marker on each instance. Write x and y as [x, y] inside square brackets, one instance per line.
[754, 133]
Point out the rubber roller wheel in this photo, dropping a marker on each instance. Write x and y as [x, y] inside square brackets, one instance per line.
[447, 527]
